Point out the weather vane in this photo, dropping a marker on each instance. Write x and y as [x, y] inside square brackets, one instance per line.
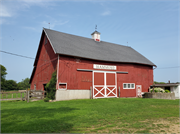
[96, 28]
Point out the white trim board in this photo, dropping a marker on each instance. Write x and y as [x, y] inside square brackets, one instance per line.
[89, 70]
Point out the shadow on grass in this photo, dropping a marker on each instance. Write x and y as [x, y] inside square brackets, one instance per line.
[37, 120]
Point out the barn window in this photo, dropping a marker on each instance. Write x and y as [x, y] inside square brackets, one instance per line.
[62, 85]
[132, 85]
[34, 86]
[124, 86]
[128, 86]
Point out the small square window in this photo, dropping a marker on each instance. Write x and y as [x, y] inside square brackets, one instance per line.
[128, 85]
[62, 85]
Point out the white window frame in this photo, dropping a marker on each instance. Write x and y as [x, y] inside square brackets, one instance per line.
[127, 86]
[62, 88]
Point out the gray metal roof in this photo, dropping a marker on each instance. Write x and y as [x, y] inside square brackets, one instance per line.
[77, 46]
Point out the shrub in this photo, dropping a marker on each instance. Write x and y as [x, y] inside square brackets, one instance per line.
[167, 91]
[46, 99]
[51, 87]
[157, 89]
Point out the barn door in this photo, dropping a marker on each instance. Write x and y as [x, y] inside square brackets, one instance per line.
[98, 85]
[104, 84]
[111, 90]
[138, 91]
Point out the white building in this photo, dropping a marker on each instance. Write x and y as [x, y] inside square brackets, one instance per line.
[172, 87]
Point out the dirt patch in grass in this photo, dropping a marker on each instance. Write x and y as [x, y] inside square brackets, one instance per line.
[168, 125]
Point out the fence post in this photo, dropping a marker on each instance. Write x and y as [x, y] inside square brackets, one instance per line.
[28, 95]
[21, 96]
[25, 95]
[6, 96]
[91, 92]
[12, 95]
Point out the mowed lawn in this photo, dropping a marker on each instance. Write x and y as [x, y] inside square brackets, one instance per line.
[113, 115]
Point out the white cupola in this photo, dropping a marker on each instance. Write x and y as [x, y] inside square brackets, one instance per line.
[96, 36]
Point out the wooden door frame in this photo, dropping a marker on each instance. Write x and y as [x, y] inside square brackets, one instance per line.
[98, 71]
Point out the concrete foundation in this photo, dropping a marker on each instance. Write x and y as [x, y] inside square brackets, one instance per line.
[170, 96]
[72, 94]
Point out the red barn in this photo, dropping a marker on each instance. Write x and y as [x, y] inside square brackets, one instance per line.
[89, 67]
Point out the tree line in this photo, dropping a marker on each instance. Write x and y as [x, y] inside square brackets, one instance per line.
[12, 84]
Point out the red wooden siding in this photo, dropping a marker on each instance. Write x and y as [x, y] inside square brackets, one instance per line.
[110, 79]
[45, 65]
[137, 74]
[98, 78]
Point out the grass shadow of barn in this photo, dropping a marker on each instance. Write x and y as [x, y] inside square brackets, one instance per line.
[37, 120]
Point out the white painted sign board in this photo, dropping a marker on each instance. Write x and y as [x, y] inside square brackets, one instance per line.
[96, 66]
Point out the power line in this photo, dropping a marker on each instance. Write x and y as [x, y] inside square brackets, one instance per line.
[168, 67]
[16, 54]
[28, 57]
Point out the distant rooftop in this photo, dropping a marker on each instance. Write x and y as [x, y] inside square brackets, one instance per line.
[166, 85]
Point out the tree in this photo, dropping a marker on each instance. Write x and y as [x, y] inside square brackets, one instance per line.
[51, 87]
[155, 82]
[10, 85]
[3, 76]
[24, 84]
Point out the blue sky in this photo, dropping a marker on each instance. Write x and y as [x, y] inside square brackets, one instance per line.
[149, 26]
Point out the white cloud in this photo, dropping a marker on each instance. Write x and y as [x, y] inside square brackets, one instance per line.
[31, 28]
[53, 23]
[62, 23]
[4, 12]
[106, 13]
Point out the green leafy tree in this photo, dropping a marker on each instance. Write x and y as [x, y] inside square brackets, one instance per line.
[3, 76]
[155, 82]
[10, 85]
[24, 84]
[51, 87]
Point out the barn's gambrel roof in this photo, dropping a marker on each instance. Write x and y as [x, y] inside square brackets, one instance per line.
[72, 45]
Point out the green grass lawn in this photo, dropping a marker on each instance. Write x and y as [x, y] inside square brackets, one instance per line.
[118, 115]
